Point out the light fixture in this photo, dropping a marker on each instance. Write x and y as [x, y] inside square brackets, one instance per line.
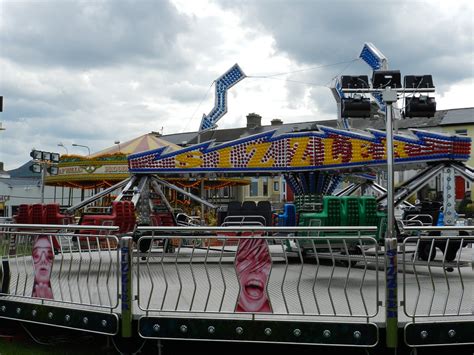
[418, 81]
[53, 170]
[356, 106]
[382, 79]
[355, 82]
[36, 154]
[55, 157]
[373, 57]
[421, 106]
[83, 146]
[60, 144]
[35, 168]
[46, 156]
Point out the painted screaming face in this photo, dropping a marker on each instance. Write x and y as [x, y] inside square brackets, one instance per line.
[43, 258]
[253, 264]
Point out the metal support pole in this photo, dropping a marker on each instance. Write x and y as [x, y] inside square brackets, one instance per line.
[5, 274]
[449, 196]
[391, 245]
[127, 286]
[203, 207]
[43, 177]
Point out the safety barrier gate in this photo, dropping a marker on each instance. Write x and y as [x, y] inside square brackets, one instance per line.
[60, 275]
[242, 283]
[438, 294]
[256, 284]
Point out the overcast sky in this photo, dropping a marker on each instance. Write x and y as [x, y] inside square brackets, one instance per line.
[93, 72]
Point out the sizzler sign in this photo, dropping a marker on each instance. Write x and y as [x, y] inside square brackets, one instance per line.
[327, 148]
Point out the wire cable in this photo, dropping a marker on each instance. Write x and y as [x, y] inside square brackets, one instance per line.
[304, 69]
[33, 337]
[290, 81]
[349, 63]
[198, 106]
[133, 353]
[325, 85]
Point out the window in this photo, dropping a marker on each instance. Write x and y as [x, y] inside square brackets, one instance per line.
[276, 185]
[265, 186]
[254, 187]
[226, 191]
[462, 132]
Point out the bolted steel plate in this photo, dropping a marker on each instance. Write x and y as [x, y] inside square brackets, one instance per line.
[85, 320]
[262, 331]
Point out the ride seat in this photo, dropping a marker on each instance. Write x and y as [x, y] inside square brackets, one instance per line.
[37, 214]
[53, 215]
[24, 214]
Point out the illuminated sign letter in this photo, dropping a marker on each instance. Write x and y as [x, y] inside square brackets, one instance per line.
[360, 150]
[189, 160]
[256, 161]
[399, 149]
[301, 144]
[329, 158]
[224, 158]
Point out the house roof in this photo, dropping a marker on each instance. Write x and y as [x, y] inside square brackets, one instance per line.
[375, 122]
[458, 116]
[24, 172]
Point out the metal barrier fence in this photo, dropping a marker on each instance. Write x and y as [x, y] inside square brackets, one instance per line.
[444, 280]
[302, 285]
[215, 271]
[259, 284]
[438, 292]
[60, 264]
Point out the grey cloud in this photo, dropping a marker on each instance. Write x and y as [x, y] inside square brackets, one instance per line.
[85, 34]
[416, 36]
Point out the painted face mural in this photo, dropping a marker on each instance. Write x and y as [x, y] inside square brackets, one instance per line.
[253, 264]
[43, 258]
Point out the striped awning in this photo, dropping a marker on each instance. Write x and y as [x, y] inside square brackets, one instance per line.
[140, 144]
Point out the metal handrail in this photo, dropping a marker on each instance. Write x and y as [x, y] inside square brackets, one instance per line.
[59, 226]
[341, 229]
[441, 228]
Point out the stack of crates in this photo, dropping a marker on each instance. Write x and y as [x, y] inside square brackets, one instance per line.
[307, 202]
[350, 211]
[343, 211]
[370, 216]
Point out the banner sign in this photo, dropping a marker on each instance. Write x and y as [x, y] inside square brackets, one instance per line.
[253, 264]
[43, 260]
[93, 169]
[327, 148]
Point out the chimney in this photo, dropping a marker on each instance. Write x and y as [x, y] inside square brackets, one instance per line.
[276, 122]
[254, 120]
